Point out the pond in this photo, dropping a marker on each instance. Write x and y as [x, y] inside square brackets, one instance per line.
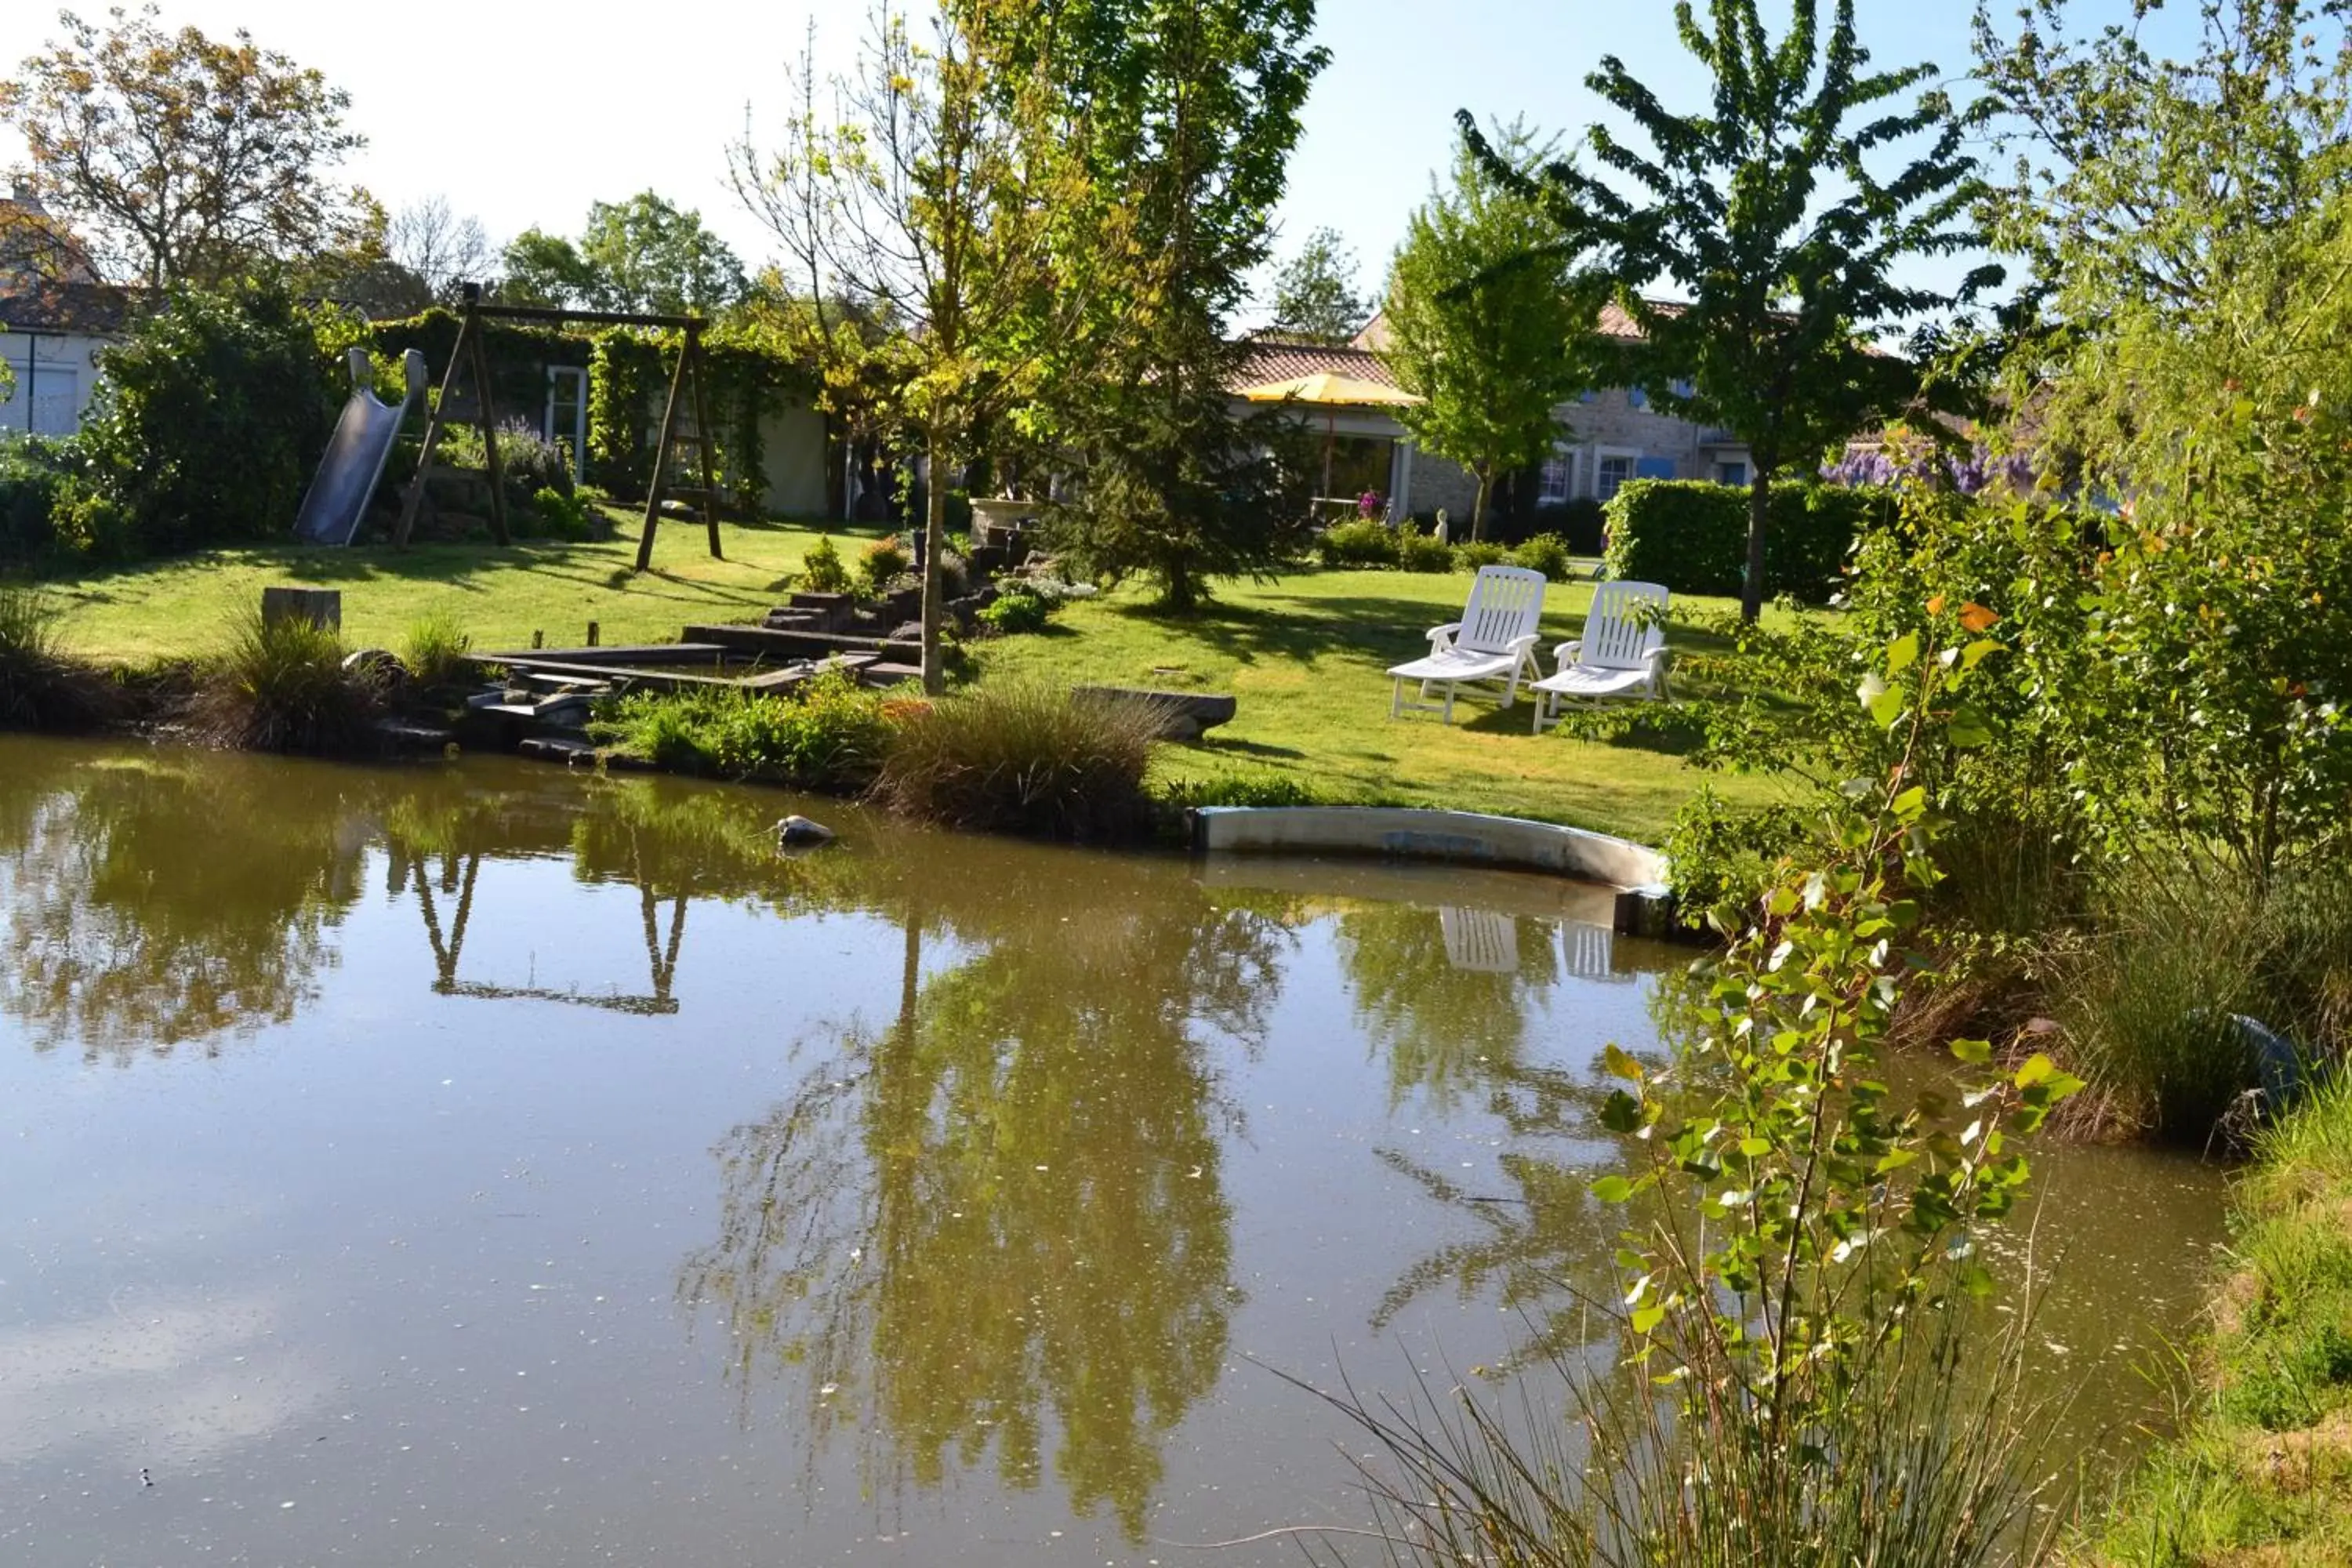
[479, 1163]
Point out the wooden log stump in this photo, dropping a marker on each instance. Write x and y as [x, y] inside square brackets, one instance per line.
[322, 607]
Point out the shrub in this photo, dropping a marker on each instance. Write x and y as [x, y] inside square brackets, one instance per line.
[209, 424]
[435, 651]
[821, 571]
[1017, 611]
[563, 516]
[1547, 553]
[281, 687]
[530, 463]
[1358, 543]
[1471, 557]
[828, 735]
[1692, 535]
[1021, 756]
[32, 478]
[40, 687]
[884, 562]
[1425, 552]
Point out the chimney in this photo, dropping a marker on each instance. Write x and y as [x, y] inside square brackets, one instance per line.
[24, 197]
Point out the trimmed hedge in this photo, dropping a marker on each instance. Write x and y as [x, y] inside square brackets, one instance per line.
[1692, 535]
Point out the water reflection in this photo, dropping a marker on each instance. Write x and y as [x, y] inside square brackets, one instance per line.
[998, 1225]
[146, 909]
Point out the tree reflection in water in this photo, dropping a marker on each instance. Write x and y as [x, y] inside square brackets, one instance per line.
[999, 1223]
[153, 901]
[1444, 992]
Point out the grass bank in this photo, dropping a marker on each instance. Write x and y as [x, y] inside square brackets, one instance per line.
[1304, 653]
[2262, 1472]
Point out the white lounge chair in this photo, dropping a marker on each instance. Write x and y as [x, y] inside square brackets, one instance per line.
[1623, 652]
[1494, 640]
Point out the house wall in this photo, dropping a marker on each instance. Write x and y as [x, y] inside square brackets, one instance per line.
[795, 456]
[54, 374]
[1610, 422]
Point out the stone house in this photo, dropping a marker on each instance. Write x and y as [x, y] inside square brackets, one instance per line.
[1608, 437]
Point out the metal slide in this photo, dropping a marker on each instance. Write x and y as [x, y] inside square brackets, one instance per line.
[338, 499]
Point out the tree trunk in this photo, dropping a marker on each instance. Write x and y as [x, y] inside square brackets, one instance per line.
[935, 517]
[1478, 506]
[1760, 510]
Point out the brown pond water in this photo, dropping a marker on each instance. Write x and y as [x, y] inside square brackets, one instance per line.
[481, 1164]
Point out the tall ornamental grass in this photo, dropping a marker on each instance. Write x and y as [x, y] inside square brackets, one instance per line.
[280, 685]
[40, 687]
[1026, 757]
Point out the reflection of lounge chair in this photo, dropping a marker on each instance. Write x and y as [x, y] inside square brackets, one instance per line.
[1589, 950]
[1480, 940]
[1623, 652]
[1494, 640]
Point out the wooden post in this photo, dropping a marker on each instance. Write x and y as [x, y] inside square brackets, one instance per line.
[703, 424]
[661, 463]
[435, 420]
[488, 420]
[592, 633]
[538, 639]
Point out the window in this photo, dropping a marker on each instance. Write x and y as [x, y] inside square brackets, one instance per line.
[1682, 387]
[1637, 397]
[1731, 473]
[1588, 395]
[1559, 476]
[1614, 474]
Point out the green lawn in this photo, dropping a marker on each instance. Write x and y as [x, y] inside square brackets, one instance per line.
[1303, 653]
[185, 604]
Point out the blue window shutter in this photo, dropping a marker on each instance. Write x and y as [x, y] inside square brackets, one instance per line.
[1637, 397]
[1654, 468]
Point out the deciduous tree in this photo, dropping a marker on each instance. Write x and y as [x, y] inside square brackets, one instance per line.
[183, 158]
[441, 249]
[1489, 318]
[1764, 208]
[931, 190]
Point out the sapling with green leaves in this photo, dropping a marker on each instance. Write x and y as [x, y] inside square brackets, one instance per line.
[1802, 1216]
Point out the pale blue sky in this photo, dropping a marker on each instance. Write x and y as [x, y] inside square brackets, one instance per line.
[599, 100]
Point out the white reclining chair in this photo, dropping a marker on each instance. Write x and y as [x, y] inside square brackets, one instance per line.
[1622, 653]
[1494, 640]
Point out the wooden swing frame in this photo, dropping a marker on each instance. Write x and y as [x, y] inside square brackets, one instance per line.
[469, 355]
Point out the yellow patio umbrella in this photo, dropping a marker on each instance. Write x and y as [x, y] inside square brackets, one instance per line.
[1325, 390]
[1331, 392]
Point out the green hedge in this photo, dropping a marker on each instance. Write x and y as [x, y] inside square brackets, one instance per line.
[1692, 535]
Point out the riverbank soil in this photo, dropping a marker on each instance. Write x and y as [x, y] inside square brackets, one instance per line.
[2262, 1472]
[1305, 654]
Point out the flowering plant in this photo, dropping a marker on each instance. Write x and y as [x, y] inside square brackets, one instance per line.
[1368, 503]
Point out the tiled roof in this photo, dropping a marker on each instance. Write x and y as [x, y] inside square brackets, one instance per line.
[1614, 322]
[93, 309]
[1276, 357]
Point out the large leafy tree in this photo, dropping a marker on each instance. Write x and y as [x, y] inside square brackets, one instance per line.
[183, 158]
[1190, 109]
[1489, 321]
[933, 198]
[1314, 293]
[642, 254]
[2188, 223]
[2180, 219]
[1764, 208]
